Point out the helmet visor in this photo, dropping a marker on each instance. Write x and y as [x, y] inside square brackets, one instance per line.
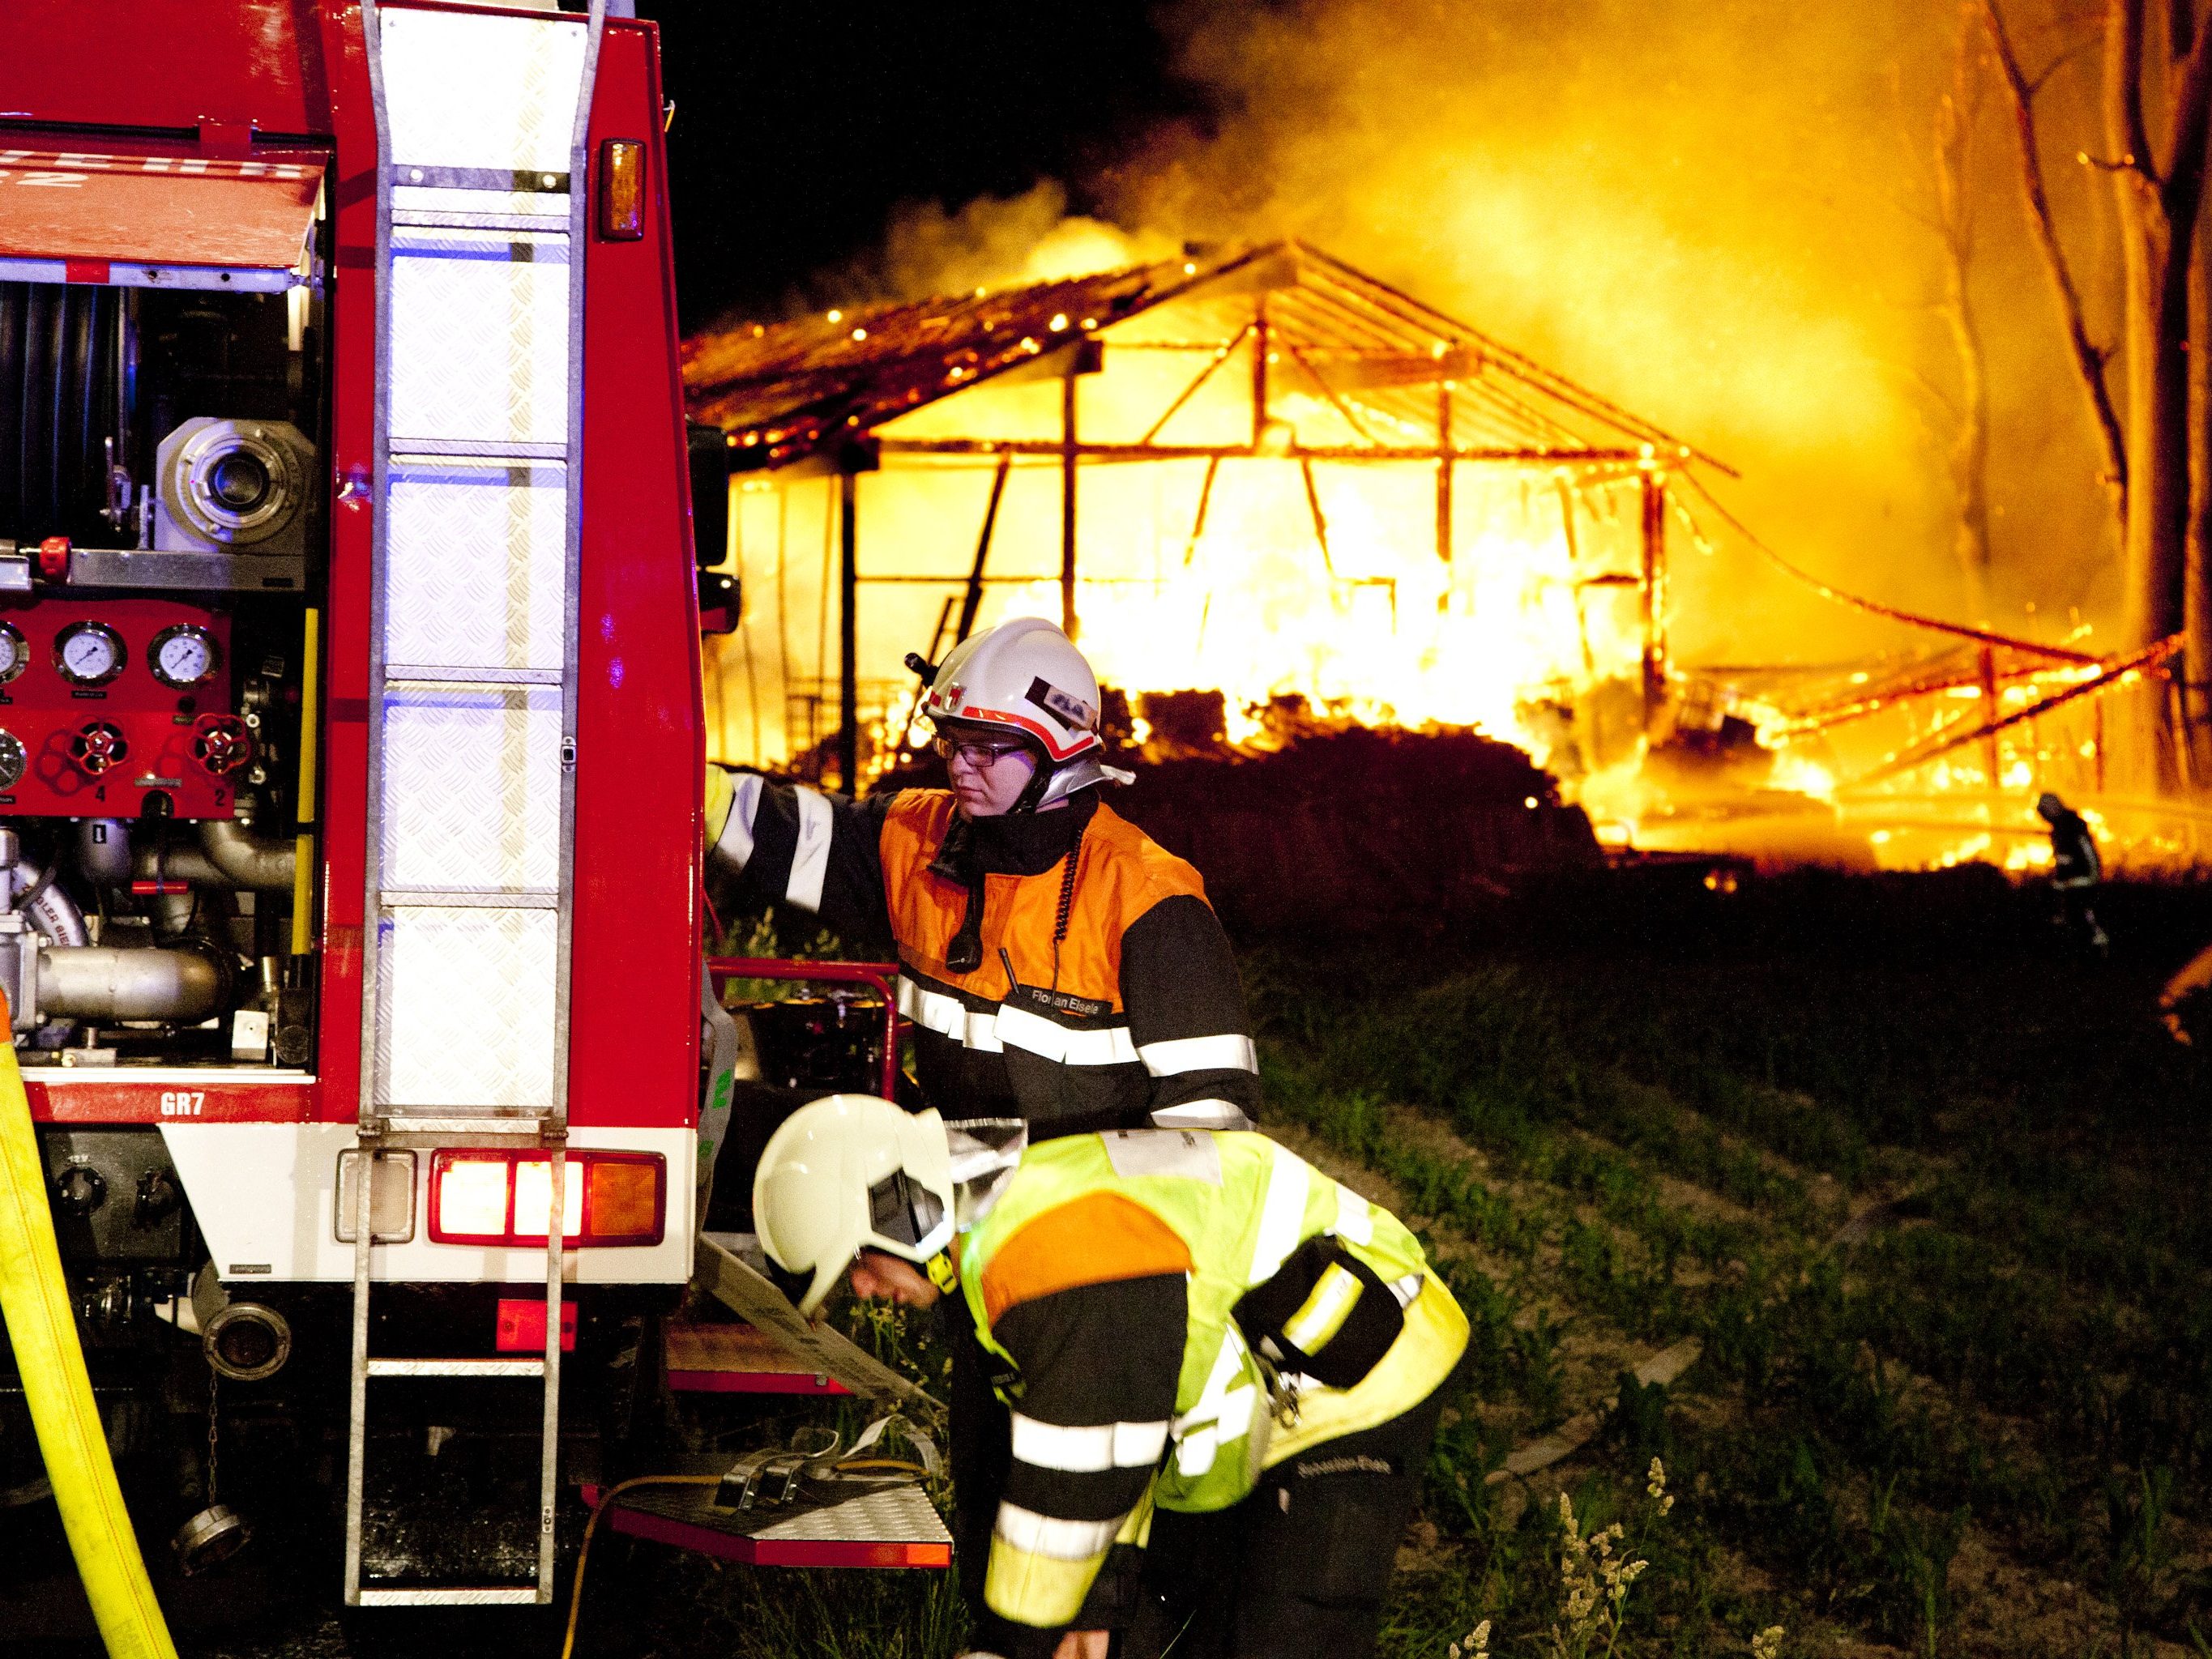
[902, 1211]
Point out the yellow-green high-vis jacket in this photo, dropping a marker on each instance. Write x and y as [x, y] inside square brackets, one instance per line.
[1104, 1277]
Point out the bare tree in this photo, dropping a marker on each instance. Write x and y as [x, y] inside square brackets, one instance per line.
[2154, 55]
[2089, 358]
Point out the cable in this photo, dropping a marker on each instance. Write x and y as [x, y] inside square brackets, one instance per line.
[584, 1555]
[1957, 630]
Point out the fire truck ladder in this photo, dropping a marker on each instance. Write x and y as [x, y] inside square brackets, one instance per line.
[481, 172]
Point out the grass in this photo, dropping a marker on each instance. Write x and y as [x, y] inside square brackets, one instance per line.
[1983, 1427]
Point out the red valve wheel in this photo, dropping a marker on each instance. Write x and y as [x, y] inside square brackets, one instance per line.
[222, 744]
[98, 747]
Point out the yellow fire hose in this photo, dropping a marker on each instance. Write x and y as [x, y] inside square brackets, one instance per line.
[34, 1301]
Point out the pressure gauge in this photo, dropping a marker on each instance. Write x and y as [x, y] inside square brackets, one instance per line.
[89, 652]
[12, 758]
[184, 655]
[13, 654]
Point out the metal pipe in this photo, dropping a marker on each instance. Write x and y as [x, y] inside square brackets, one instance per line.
[101, 983]
[246, 859]
[52, 912]
[103, 850]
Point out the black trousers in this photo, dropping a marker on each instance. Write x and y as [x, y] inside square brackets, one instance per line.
[1296, 1571]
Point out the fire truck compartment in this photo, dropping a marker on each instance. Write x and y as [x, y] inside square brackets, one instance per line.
[156, 214]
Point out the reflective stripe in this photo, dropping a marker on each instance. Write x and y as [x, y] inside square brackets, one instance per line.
[1195, 1451]
[810, 860]
[949, 1016]
[1052, 1537]
[735, 843]
[1089, 1449]
[1200, 1430]
[1204, 1054]
[1281, 1217]
[1325, 1310]
[1407, 1288]
[1202, 1114]
[1355, 1221]
[1105, 1046]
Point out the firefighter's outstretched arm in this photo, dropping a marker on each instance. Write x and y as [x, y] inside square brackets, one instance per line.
[1099, 1362]
[770, 841]
[1187, 1017]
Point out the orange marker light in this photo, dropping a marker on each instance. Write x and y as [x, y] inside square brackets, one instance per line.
[622, 190]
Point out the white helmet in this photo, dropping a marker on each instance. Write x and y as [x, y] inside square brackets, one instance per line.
[850, 1170]
[1026, 674]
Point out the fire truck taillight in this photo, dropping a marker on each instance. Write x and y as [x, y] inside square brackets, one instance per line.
[503, 1197]
[622, 190]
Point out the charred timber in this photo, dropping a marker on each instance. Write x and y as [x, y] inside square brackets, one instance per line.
[1142, 452]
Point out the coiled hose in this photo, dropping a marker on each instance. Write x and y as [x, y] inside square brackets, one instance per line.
[34, 1301]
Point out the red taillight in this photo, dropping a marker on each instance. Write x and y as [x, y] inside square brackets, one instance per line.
[504, 1197]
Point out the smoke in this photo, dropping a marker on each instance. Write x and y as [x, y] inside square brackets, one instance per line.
[929, 249]
[1713, 213]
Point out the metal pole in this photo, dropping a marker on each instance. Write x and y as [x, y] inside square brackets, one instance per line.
[1655, 556]
[1068, 622]
[1988, 666]
[1443, 473]
[974, 598]
[1258, 370]
[848, 691]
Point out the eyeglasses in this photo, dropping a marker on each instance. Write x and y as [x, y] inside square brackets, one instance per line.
[976, 751]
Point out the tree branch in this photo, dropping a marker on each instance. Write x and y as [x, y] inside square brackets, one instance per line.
[2183, 187]
[2126, 134]
[2088, 359]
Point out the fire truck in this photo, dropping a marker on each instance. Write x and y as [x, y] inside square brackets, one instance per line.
[351, 749]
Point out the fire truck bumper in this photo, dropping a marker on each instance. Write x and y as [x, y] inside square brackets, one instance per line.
[265, 1198]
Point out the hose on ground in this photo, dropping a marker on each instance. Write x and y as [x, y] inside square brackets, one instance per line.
[584, 1555]
[42, 1330]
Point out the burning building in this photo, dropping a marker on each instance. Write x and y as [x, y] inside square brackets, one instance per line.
[1257, 471]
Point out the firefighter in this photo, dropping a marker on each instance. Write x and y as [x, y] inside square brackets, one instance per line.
[2075, 871]
[1059, 966]
[1210, 1350]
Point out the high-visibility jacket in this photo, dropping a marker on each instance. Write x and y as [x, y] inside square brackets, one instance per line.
[1121, 1010]
[1104, 1276]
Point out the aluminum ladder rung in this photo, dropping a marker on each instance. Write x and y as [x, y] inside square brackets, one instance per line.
[488, 1369]
[458, 1597]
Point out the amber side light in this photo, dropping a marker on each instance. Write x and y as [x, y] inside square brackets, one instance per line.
[622, 190]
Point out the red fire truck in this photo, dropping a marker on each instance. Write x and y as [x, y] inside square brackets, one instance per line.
[351, 737]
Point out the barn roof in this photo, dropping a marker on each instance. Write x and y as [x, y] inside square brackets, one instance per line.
[1421, 379]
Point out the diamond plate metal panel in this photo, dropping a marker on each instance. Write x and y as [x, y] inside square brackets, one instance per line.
[470, 90]
[476, 562]
[479, 337]
[471, 786]
[466, 1014]
[549, 206]
[901, 1513]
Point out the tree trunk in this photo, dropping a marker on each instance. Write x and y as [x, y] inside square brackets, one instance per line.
[1970, 442]
[2155, 243]
[2196, 664]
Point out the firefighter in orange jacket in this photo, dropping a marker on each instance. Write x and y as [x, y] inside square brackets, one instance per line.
[1059, 966]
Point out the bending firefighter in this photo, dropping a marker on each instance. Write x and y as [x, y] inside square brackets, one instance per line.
[1210, 1349]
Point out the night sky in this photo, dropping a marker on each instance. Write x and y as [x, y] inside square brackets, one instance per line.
[799, 128]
